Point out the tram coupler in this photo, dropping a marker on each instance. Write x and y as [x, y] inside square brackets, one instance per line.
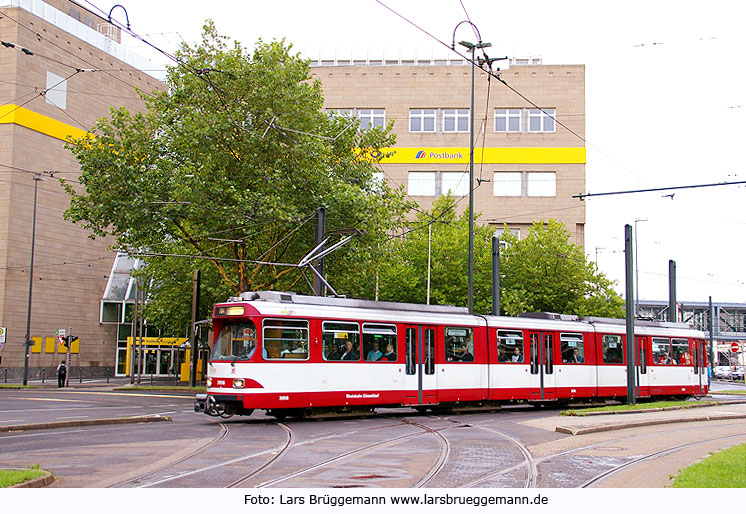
[201, 403]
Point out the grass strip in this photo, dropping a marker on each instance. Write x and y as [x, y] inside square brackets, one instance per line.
[726, 468]
[11, 477]
[640, 406]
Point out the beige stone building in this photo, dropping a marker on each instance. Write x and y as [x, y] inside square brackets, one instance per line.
[61, 69]
[528, 161]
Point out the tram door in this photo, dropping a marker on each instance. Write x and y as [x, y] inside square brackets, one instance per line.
[642, 385]
[420, 379]
[700, 366]
[541, 348]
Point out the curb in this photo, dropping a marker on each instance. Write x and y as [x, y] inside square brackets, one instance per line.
[84, 423]
[712, 403]
[36, 483]
[637, 424]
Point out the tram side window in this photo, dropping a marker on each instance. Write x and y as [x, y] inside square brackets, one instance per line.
[379, 342]
[285, 339]
[662, 350]
[681, 355]
[510, 346]
[572, 348]
[235, 341]
[341, 341]
[459, 342]
[613, 349]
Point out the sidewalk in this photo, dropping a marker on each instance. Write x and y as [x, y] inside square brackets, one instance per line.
[620, 420]
[96, 383]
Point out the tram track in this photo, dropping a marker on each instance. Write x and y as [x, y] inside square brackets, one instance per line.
[529, 462]
[222, 434]
[445, 449]
[652, 456]
[288, 444]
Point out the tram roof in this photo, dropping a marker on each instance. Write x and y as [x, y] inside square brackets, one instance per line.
[354, 303]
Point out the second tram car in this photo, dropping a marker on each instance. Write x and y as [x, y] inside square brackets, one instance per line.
[298, 355]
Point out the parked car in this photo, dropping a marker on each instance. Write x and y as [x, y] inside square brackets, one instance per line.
[721, 372]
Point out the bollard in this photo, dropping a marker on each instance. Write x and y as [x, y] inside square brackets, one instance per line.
[106, 373]
[151, 379]
[43, 375]
[6, 375]
[80, 375]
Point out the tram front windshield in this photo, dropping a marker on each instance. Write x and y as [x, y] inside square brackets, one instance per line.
[235, 341]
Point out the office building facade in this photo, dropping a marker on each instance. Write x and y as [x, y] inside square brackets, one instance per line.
[62, 68]
[529, 149]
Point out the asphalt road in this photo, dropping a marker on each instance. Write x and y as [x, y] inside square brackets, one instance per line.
[515, 447]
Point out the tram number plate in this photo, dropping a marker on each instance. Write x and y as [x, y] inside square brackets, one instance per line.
[284, 398]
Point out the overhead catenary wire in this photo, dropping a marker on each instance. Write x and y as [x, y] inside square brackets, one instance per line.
[582, 196]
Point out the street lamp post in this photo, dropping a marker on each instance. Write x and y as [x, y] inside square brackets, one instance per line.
[27, 339]
[472, 48]
[637, 275]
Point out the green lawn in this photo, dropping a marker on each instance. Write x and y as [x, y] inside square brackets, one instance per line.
[15, 386]
[639, 406]
[726, 468]
[9, 477]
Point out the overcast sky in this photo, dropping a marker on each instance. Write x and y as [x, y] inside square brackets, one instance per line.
[664, 101]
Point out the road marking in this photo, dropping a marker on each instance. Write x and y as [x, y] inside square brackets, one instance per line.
[49, 399]
[72, 417]
[11, 421]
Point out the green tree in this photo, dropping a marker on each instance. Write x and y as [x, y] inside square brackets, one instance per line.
[403, 272]
[546, 272]
[229, 165]
[542, 272]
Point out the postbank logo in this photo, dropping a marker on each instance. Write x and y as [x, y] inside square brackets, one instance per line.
[439, 154]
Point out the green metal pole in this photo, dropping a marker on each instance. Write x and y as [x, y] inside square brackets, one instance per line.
[471, 189]
[630, 314]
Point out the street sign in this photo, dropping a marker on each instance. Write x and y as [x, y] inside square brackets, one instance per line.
[3, 331]
[735, 347]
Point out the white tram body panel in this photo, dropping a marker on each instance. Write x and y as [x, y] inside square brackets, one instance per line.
[283, 352]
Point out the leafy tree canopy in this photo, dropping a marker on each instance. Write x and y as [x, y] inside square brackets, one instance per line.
[230, 164]
[544, 271]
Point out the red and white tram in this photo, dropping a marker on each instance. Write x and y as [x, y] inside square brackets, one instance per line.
[297, 355]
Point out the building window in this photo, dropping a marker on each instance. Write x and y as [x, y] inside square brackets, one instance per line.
[455, 182]
[455, 120]
[56, 90]
[345, 113]
[421, 183]
[541, 120]
[507, 183]
[422, 120]
[523, 183]
[507, 120]
[370, 118]
[541, 184]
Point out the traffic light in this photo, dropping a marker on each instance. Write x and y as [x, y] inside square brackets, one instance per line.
[68, 340]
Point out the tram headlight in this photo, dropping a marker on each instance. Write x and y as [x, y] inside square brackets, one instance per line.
[238, 383]
[208, 382]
